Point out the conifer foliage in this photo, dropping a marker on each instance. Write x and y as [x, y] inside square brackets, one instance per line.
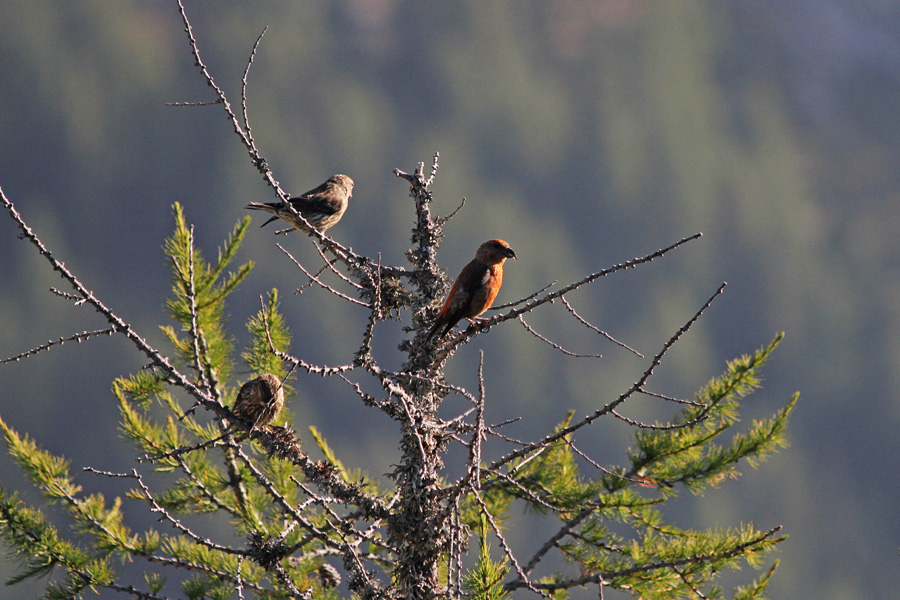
[303, 525]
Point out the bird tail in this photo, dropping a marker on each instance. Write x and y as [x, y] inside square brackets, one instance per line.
[262, 206]
[434, 330]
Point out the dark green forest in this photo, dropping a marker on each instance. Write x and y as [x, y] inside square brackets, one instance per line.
[585, 133]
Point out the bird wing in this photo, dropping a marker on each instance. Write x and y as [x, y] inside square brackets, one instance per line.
[319, 202]
[319, 189]
[484, 293]
[466, 289]
[457, 302]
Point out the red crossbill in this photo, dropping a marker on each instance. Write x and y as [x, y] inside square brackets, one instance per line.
[322, 206]
[260, 400]
[474, 290]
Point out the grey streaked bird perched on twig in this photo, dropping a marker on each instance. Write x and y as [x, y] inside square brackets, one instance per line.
[322, 206]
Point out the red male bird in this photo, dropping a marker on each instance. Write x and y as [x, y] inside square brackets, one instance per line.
[474, 290]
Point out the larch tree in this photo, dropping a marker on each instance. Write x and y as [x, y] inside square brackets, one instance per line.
[303, 524]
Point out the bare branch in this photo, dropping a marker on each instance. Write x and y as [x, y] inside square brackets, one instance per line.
[434, 169]
[77, 338]
[671, 426]
[556, 346]
[526, 298]
[319, 282]
[638, 385]
[329, 264]
[309, 367]
[117, 323]
[184, 104]
[482, 326]
[282, 502]
[440, 221]
[473, 472]
[524, 492]
[167, 516]
[597, 329]
[673, 399]
[343, 253]
[599, 467]
[364, 356]
[244, 85]
[550, 544]
[78, 299]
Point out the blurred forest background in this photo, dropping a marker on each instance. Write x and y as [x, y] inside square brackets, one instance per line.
[584, 132]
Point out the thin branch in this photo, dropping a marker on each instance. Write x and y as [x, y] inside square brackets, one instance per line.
[364, 356]
[205, 491]
[343, 253]
[478, 435]
[77, 338]
[455, 553]
[638, 385]
[248, 143]
[506, 438]
[329, 264]
[117, 323]
[319, 282]
[600, 467]
[370, 400]
[556, 346]
[550, 544]
[482, 326]
[506, 549]
[186, 531]
[691, 586]
[440, 221]
[434, 169]
[244, 86]
[183, 104]
[525, 492]
[78, 299]
[670, 427]
[182, 450]
[584, 322]
[526, 298]
[309, 283]
[673, 399]
[342, 528]
[190, 292]
[401, 377]
[282, 502]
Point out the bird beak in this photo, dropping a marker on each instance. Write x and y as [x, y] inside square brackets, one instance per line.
[511, 254]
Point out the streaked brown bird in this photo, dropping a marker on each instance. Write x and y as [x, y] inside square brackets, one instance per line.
[474, 290]
[260, 400]
[322, 206]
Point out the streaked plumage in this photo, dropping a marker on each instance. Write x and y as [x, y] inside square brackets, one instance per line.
[322, 206]
[260, 400]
